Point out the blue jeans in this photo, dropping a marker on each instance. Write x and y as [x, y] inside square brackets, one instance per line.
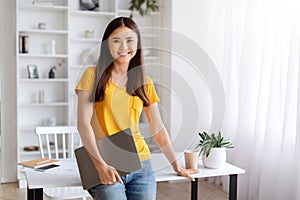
[138, 185]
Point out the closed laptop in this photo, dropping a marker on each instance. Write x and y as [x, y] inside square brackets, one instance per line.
[118, 150]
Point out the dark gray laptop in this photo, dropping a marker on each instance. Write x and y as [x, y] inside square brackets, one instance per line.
[118, 150]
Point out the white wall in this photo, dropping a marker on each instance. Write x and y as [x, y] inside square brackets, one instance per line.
[8, 91]
[197, 98]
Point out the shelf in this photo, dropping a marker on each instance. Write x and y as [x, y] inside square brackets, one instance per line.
[42, 80]
[93, 13]
[43, 7]
[85, 40]
[29, 55]
[46, 104]
[39, 31]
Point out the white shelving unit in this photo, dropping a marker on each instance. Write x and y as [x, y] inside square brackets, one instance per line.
[66, 25]
[31, 112]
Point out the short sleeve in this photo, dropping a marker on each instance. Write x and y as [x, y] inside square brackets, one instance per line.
[151, 92]
[87, 80]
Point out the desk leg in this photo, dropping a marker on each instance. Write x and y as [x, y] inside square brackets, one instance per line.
[233, 187]
[35, 194]
[194, 189]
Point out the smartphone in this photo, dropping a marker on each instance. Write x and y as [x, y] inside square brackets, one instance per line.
[42, 169]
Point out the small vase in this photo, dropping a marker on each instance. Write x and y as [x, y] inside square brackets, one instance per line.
[216, 159]
[51, 73]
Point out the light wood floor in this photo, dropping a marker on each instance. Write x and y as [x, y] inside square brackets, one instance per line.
[182, 191]
[165, 191]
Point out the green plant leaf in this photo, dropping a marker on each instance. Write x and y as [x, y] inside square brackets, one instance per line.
[143, 6]
[209, 141]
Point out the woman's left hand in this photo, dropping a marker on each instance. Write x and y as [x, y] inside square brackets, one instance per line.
[187, 172]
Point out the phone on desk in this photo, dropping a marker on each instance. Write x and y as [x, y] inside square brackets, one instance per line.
[47, 167]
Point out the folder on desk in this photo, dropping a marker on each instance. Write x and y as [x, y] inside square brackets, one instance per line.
[118, 150]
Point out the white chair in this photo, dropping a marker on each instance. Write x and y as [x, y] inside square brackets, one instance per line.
[59, 142]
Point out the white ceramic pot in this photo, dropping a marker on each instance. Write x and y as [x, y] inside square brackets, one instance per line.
[216, 158]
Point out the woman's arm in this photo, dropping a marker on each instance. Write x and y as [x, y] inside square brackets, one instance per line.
[162, 139]
[107, 174]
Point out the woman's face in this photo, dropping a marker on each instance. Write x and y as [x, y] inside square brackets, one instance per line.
[122, 44]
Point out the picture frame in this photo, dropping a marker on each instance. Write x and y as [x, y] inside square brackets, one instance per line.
[92, 5]
[32, 71]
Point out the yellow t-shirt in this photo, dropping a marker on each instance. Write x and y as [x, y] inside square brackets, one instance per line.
[118, 110]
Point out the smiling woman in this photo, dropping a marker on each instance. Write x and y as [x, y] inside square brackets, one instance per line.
[111, 97]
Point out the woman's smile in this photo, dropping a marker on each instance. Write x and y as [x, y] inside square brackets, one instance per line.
[123, 44]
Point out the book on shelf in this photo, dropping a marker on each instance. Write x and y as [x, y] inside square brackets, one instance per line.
[36, 163]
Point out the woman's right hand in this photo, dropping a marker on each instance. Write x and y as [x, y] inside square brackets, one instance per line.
[108, 175]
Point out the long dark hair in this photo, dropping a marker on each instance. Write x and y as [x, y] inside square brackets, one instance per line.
[135, 85]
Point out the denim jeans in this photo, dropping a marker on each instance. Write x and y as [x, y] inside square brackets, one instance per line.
[138, 185]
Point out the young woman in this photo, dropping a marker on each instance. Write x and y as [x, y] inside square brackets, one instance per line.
[111, 97]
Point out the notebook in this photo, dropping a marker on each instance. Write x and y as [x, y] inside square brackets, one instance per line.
[118, 150]
[41, 162]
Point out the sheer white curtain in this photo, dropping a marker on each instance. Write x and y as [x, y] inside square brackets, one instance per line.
[256, 47]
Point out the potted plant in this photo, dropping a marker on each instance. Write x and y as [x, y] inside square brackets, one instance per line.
[213, 149]
[144, 7]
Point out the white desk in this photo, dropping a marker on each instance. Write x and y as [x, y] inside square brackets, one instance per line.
[36, 181]
[164, 172]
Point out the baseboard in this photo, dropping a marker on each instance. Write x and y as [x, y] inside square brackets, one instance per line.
[8, 180]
